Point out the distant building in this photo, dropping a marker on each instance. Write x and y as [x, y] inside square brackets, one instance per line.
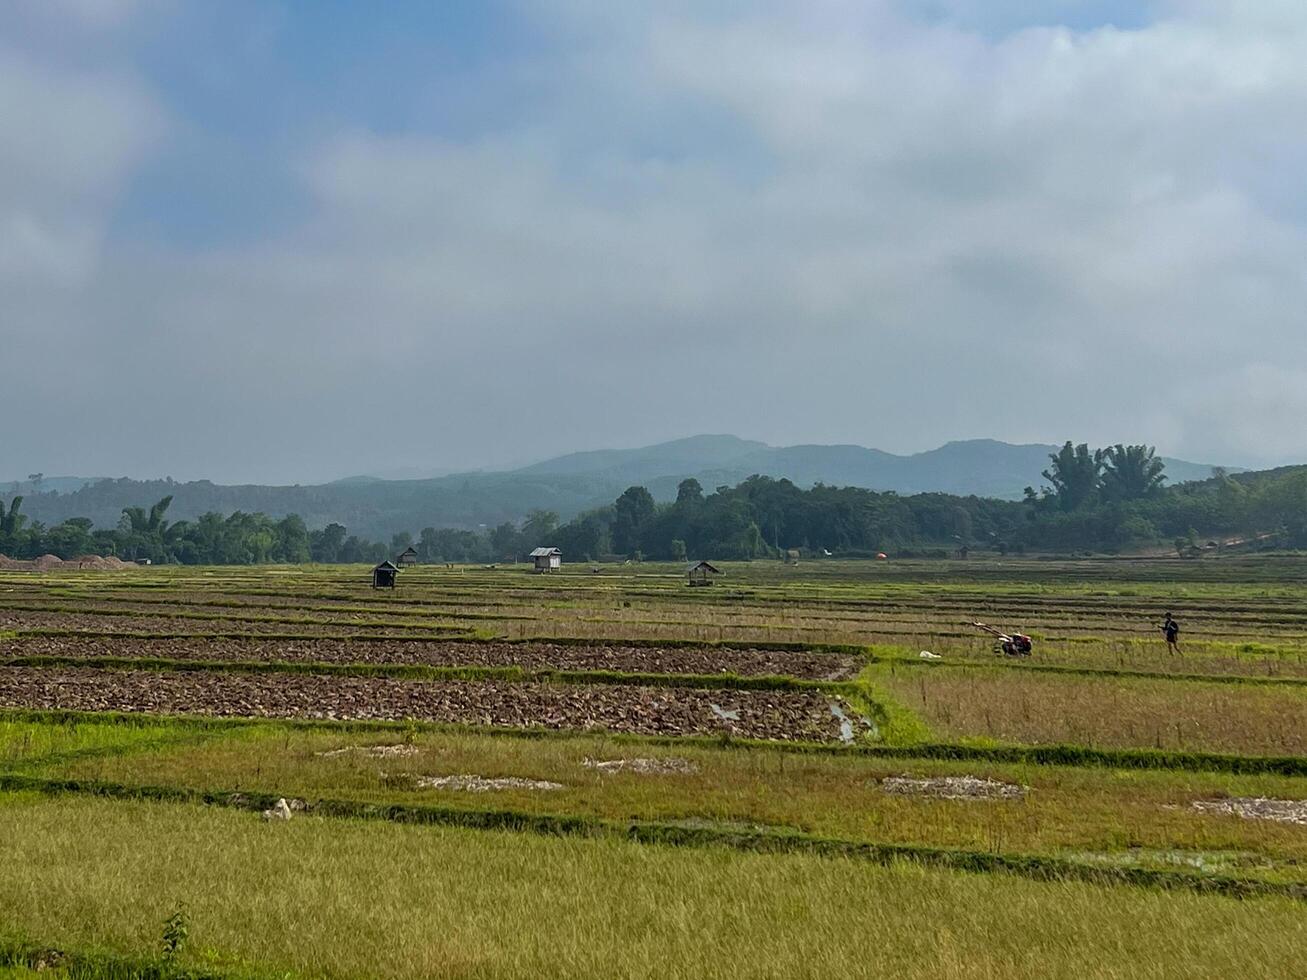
[702, 572]
[547, 559]
[792, 556]
[383, 576]
[409, 556]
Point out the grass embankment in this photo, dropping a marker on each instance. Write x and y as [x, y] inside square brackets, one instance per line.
[387, 900]
[1142, 819]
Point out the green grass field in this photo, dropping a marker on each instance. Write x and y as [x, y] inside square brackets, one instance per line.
[615, 775]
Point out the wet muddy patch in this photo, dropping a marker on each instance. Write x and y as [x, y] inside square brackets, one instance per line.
[952, 788]
[1207, 862]
[846, 723]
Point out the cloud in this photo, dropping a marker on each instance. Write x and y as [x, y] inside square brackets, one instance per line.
[892, 224]
[71, 139]
[91, 15]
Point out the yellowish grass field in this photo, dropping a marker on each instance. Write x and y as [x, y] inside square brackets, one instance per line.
[1029, 707]
[1066, 810]
[347, 899]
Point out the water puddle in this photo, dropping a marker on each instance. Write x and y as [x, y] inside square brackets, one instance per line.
[846, 723]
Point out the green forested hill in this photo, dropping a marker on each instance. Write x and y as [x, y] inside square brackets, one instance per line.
[569, 485]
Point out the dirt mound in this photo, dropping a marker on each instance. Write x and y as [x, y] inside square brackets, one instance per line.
[49, 563]
[109, 563]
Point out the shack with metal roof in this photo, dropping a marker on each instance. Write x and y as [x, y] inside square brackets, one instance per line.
[547, 559]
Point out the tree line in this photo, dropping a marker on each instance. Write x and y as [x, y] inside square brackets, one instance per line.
[1094, 500]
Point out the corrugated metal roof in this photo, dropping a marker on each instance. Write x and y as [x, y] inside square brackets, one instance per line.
[545, 552]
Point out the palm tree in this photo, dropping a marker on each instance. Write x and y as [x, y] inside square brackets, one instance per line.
[11, 523]
[1074, 474]
[150, 533]
[1131, 472]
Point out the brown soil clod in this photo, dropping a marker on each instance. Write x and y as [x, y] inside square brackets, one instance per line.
[777, 715]
[744, 662]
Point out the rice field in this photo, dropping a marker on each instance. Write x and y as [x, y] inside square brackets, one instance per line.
[393, 901]
[736, 768]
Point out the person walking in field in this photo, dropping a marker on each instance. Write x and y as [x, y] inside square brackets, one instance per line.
[1171, 630]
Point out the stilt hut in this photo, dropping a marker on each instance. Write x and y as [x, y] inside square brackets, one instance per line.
[383, 576]
[702, 572]
[547, 559]
[409, 556]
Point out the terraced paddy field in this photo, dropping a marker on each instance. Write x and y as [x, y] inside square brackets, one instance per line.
[491, 773]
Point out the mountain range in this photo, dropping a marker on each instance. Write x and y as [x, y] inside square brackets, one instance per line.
[375, 507]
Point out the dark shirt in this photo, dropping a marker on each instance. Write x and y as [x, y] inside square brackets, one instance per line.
[1171, 628]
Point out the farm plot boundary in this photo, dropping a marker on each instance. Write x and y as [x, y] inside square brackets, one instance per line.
[1034, 867]
[1039, 755]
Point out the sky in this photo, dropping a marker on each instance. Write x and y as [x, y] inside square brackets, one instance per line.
[289, 242]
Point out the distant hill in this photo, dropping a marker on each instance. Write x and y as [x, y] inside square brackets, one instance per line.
[569, 484]
[60, 484]
[693, 455]
[983, 467]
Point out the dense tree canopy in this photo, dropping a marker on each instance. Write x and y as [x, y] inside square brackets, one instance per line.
[1098, 500]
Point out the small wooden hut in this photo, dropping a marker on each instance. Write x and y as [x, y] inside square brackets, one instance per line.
[702, 572]
[547, 559]
[383, 576]
[409, 556]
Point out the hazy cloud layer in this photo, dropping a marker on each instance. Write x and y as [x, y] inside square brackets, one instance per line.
[582, 225]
